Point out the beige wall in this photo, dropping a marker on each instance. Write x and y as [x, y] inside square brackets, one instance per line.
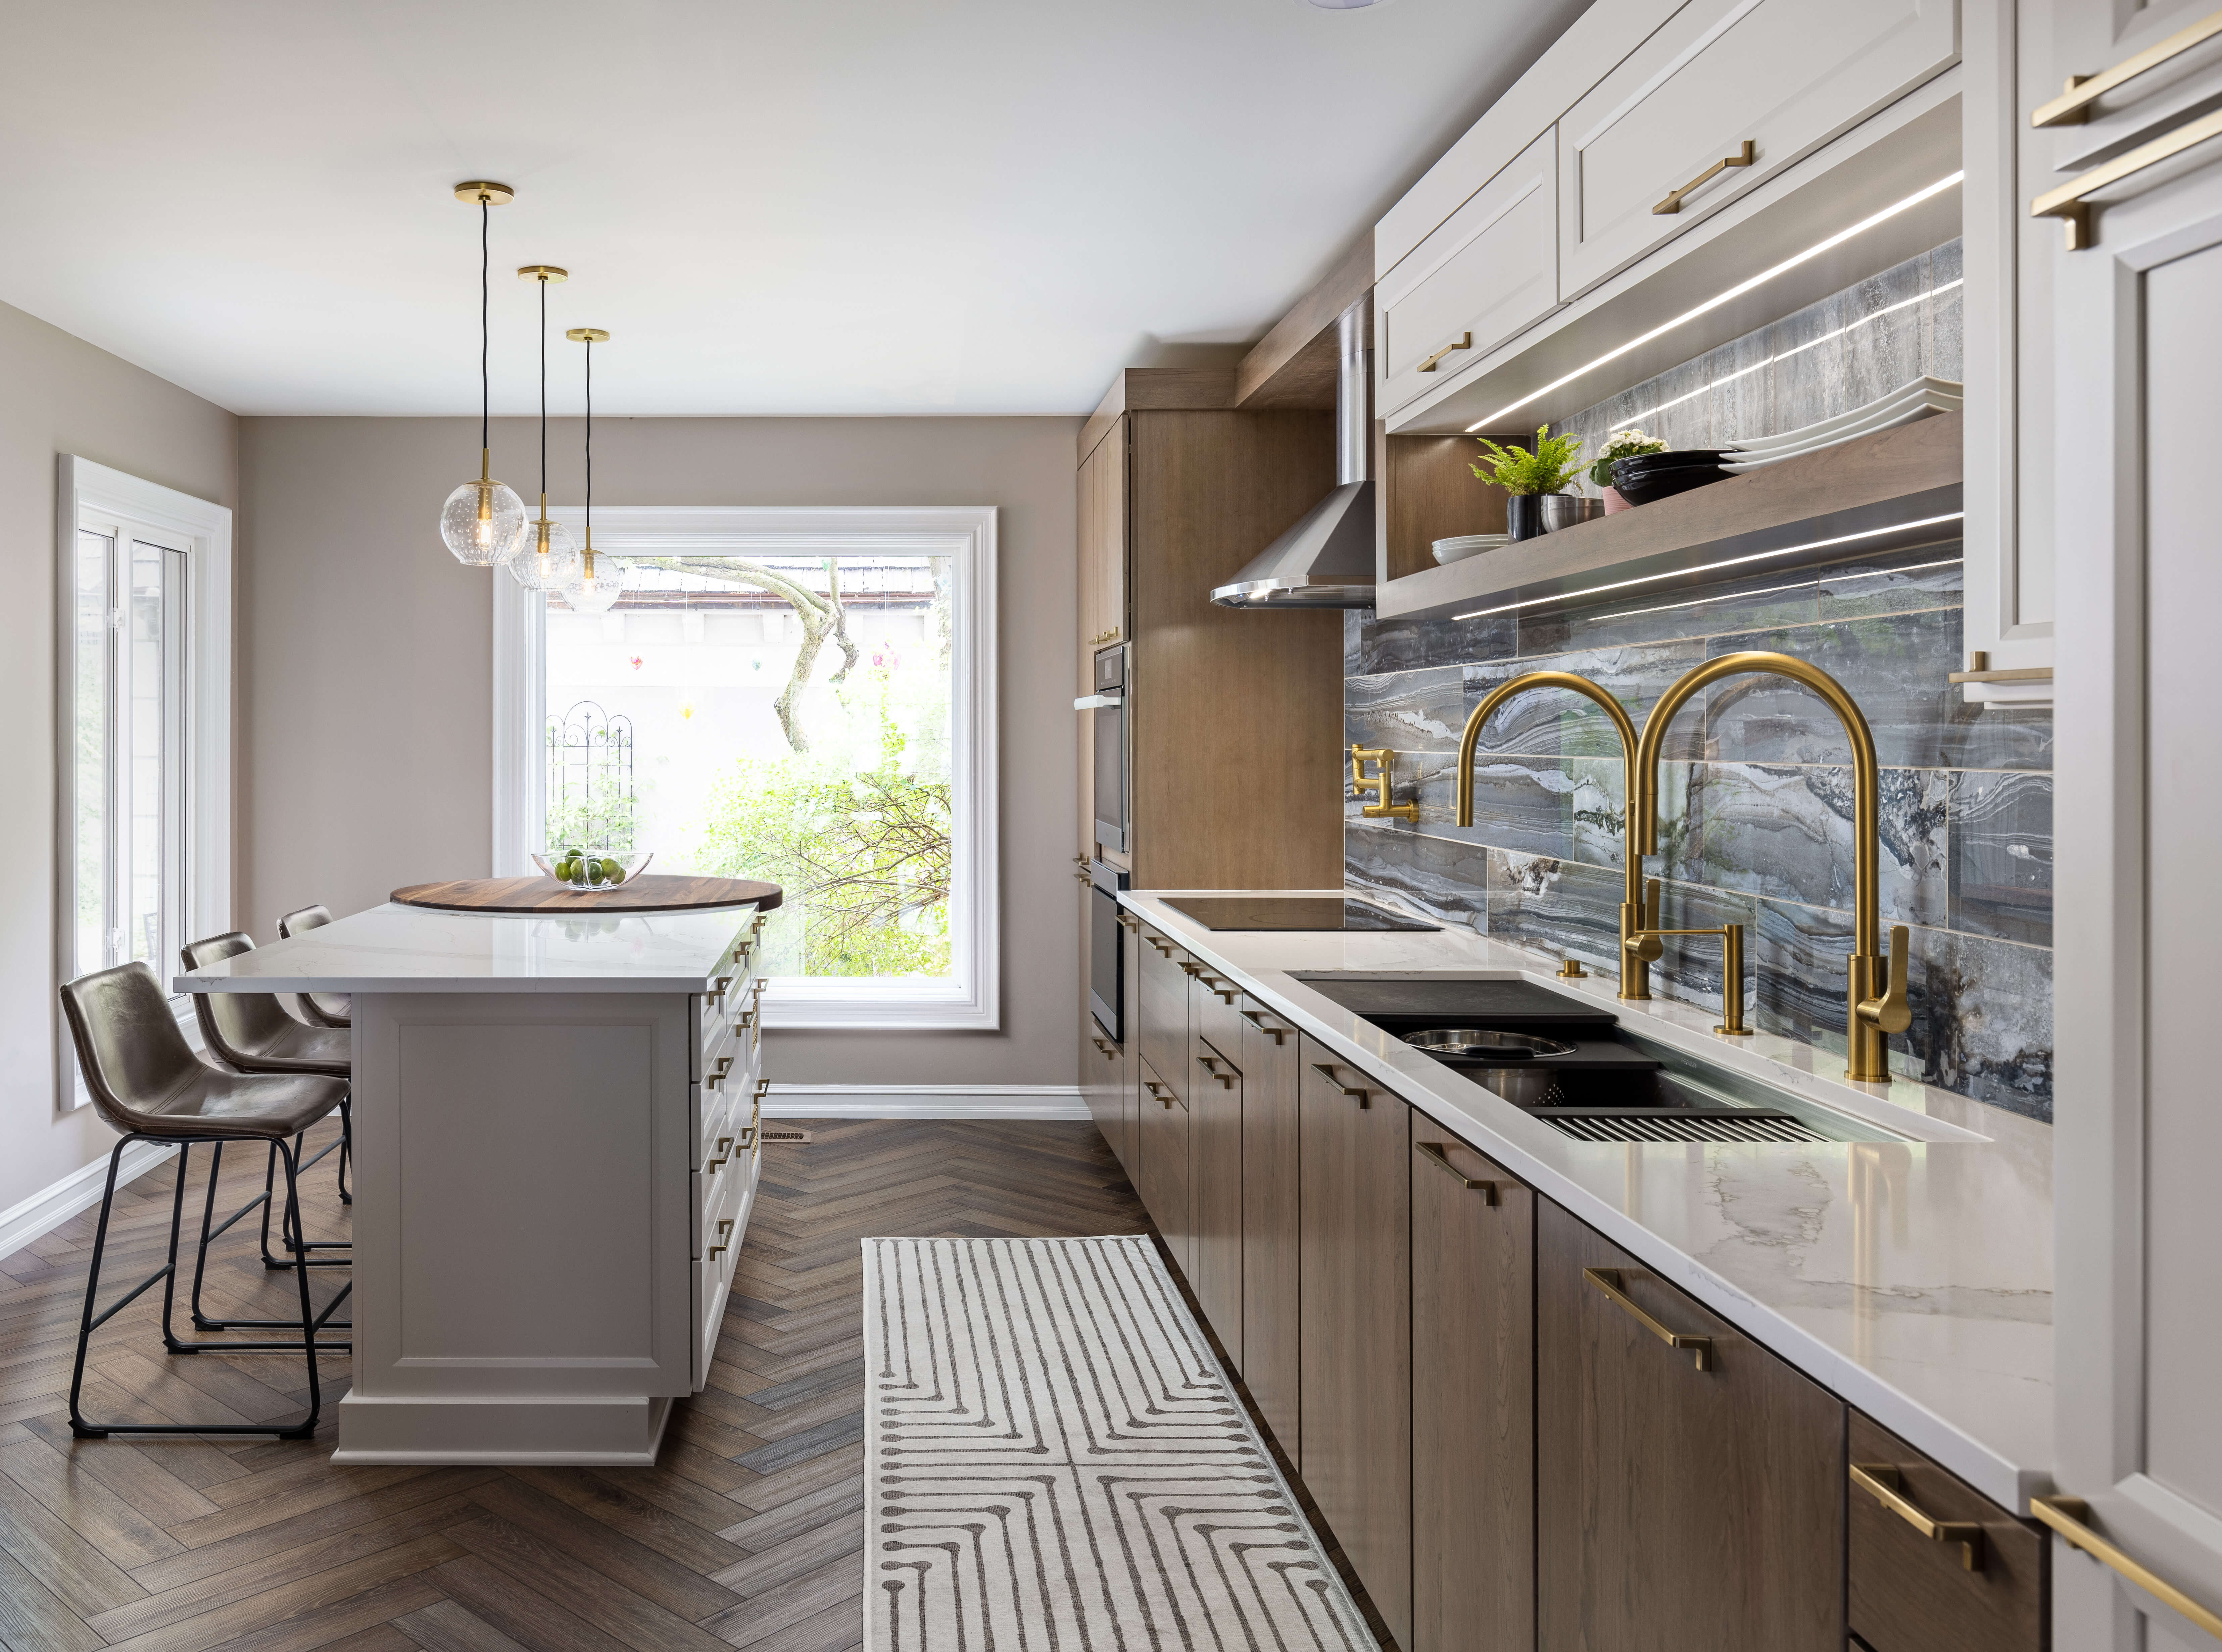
[59, 395]
[365, 675]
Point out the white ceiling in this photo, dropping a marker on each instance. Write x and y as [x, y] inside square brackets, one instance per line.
[821, 207]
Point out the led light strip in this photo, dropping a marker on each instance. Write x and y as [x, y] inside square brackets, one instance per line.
[1709, 567]
[1720, 298]
[1769, 590]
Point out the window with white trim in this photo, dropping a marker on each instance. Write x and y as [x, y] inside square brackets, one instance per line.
[802, 695]
[144, 740]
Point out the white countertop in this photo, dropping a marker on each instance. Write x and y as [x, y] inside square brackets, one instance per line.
[393, 948]
[1914, 1279]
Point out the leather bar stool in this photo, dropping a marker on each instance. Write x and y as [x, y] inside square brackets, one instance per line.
[148, 1085]
[324, 1008]
[251, 1032]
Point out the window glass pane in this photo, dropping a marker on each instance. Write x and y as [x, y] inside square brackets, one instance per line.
[89, 736]
[148, 756]
[786, 718]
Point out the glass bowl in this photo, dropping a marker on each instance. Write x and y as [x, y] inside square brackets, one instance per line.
[589, 871]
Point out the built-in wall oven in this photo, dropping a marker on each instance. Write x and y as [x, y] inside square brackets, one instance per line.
[1114, 767]
[1107, 951]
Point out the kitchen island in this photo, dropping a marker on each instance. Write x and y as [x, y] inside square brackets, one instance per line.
[555, 1154]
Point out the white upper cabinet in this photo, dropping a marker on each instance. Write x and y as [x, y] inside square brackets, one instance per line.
[1780, 76]
[1488, 271]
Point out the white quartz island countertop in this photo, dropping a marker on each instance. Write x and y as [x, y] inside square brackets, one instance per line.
[392, 948]
[1913, 1278]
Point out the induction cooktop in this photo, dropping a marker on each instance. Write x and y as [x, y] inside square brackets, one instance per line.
[1292, 912]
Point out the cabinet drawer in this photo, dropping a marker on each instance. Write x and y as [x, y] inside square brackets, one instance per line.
[1164, 1147]
[1218, 1015]
[1166, 1028]
[1489, 270]
[1788, 75]
[1913, 1592]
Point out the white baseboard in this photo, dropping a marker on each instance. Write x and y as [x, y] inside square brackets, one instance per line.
[46, 1210]
[925, 1101]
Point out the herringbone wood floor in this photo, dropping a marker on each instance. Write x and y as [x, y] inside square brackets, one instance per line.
[748, 1532]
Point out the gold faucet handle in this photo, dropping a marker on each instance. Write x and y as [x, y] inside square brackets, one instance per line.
[1894, 1011]
[1651, 904]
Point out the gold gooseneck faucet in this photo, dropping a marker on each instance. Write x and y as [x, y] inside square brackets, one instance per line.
[1634, 965]
[1876, 1006]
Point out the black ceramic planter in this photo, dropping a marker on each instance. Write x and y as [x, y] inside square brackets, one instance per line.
[1523, 515]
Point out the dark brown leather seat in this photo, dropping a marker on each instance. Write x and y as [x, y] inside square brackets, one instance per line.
[148, 1084]
[331, 1009]
[251, 1030]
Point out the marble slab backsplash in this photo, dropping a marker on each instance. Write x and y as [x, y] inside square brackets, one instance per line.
[1754, 823]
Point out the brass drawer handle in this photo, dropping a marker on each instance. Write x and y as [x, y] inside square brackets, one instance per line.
[1084, 876]
[717, 1251]
[1103, 637]
[1434, 1155]
[1225, 992]
[718, 990]
[1161, 945]
[1190, 968]
[1465, 342]
[1210, 1064]
[1326, 1070]
[1881, 1480]
[1607, 1279]
[2067, 201]
[725, 1152]
[1128, 921]
[724, 1227]
[1744, 157]
[1159, 1091]
[748, 1140]
[764, 1089]
[2073, 107]
[1108, 1048]
[1279, 1035]
[2070, 1517]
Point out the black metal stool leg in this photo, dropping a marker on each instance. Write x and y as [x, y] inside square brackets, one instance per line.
[201, 1320]
[269, 1181]
[78, 1426]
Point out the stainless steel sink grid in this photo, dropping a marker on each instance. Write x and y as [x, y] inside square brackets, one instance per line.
[1669, 1125]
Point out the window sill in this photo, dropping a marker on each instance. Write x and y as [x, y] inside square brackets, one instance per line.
[794, 1003]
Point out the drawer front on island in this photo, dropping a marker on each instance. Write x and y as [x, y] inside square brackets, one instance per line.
[1688, 1496]
[1936, 1566]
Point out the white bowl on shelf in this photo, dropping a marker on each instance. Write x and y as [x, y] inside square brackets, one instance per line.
[1932, 394]
[1465, 545]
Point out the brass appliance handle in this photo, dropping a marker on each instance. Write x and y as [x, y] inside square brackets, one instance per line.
[1465, 342]
[1607, 1279]
[1881, 1480]
[1743, 157]
[1435, 1154]
[2073, 107]
[1103, 637]
[2067, 203]
[2070, 1517]
[1326, 1070]
[1278, 1034]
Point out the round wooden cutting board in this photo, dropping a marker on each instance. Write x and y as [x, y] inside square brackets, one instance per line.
[649, 892]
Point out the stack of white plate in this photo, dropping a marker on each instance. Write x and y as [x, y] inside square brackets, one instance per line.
[1452, 550]
[1901, 406]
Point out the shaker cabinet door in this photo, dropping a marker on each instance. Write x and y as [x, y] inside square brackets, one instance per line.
[1685, 1496]
[1785, 76]
[1356, 1327]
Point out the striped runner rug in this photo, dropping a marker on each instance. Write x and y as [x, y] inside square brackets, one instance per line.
[1054, 1460]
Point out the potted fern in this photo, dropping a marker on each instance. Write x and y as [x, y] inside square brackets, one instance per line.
[1622, 444]
[1528, 478]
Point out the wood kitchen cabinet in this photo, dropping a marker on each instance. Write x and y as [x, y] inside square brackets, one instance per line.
[1355, 1323]
[1102, 547]
[1216, 1114]
[1164, 1009]
[1939, 1567]
[1686, 1497]
[1164, 1151]
[1272, 1354]
[1473, 1393]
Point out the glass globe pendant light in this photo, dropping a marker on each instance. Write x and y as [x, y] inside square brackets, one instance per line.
[483, 521]
[595, 588]
[547, 557]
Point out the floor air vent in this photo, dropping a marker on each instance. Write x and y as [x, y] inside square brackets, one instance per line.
[785, 1135]
[1678, 1124]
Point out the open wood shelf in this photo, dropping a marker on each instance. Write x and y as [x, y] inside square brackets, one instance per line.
[1865, 496]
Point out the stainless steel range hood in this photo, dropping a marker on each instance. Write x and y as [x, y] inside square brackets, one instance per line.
[1326, 560]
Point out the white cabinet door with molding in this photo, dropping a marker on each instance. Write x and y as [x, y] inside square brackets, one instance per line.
[1489, 269]
[2137, 335]
[1724, 80]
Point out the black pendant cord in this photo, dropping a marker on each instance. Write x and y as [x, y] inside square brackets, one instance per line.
[590, 443]
[543, 398]
[485, 322]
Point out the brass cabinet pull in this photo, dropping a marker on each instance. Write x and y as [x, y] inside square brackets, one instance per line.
[1278, 1034]
[1210, 1064]
[724, 1226]
[725, 1152]
[1743, 157]
[748, 1137]
[719, 991]
[1105, 1045]
[1465, 342]
[1435, 1154]
[764, 1089]
[1607, 1279]
[717, 1251]
[1881, 1480]
[1080, 859]
[2066, 203]
[1103, 637]
[1160, 945]
[1225, 992]
[2073, 107]
[1326, 1070]
[1159, 1092]
[2070, 1517]
[1128, 921]
[1190, 966]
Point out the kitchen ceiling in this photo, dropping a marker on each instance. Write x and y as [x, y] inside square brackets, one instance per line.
[826, 207]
